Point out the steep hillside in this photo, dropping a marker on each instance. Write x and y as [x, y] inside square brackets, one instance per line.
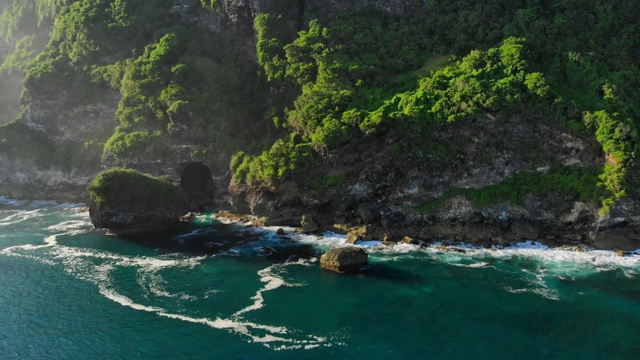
[433, 119]
[474, 121]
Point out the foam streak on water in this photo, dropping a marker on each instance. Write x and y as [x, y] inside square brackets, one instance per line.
[255, 288]
[553, 263]
[97, 267]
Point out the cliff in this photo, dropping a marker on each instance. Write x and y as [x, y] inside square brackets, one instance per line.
[495, 180]
[480, 121]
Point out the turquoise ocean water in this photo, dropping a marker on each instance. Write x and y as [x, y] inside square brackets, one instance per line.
[224, 291]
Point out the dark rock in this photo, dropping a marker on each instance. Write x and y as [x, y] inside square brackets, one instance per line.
[292, 221]
[391, 219]
[523, 230]
[612, 222]
[128, 202]
[580, 214]
[344, 260]
[308, 224]
[196, 181]
[369, 212]
[280, 231]
[476, 218]
[266, 251]
[616, 238]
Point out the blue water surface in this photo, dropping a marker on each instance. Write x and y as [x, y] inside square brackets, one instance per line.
[68, 291]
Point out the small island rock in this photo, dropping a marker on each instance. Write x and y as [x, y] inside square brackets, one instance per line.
[344, 260]
[128, 202]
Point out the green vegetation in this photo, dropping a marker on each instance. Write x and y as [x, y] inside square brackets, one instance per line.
[371, 72]
[561, 182]
[19, 142]
[330, 181]
[121, 186]
[323, 80]
[178, 82]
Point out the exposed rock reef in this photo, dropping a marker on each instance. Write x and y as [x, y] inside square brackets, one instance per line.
[344, 260]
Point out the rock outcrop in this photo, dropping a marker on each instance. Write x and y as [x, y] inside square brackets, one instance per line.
[344, 260]
[383, 195]
[307, 224]
[196, 181]
[128, 202]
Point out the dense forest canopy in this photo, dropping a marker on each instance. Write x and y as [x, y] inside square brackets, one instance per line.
[570, 62]
[324, 80]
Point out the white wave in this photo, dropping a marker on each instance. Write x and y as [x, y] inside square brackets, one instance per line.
[154, 284]
[18, 216]
[602, 260]
[99, 275]
[273, 281]
[473, 265]
[125, 301]
[210, 292]
[544, 292]
[97, 267]
[71, 225]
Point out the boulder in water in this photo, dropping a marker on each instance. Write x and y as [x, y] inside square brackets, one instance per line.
[128, 202]
[344, 260]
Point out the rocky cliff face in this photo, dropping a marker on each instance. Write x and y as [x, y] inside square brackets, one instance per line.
[382, 195]
[383, 190]
[10, 98]
[25, 179]
[69, 123]
[240, 13]
[64, 120]
[63, 128]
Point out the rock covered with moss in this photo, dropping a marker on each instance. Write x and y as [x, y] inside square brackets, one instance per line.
[129, 202]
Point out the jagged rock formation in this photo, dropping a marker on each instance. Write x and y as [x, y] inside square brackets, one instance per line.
[127, 202]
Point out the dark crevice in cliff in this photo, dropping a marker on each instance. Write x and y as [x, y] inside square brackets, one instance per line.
[300, 17]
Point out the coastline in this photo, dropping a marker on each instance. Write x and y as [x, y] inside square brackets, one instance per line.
[442, 245]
